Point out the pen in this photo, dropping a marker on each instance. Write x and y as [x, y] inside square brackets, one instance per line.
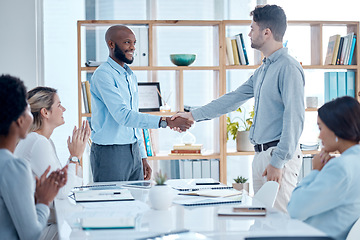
[113, 193]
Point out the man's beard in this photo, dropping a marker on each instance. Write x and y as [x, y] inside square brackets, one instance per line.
[120, 55]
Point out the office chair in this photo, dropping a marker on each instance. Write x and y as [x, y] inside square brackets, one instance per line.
[267, 193]
[290, 238]
[354, 233]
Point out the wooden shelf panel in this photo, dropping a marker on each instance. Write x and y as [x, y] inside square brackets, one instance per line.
[330, 67]
[91, 23]
[242, 66]
[177, 157]
[163, 68]
[253, 153]
[311, 109]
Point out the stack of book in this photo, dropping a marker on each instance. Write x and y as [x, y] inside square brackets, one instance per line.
[85, 89]
[338, 84]
[186, 149]
[340, 50]
[309, 146]
[236, 51]
[149, 142]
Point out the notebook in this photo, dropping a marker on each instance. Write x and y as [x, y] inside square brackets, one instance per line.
[199, 201]
[196, 184]
[213, 193]
[103, 195]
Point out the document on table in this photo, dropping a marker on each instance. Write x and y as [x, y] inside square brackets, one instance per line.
[242, 211]
[108, 223]
[196, 184]
[197, 201]
[213, 193]
[103, 195]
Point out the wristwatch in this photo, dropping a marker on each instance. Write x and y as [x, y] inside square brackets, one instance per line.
[74, 159]
[163, 123]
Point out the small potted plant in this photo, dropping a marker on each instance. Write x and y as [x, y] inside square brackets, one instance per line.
[161, 195]
[240, 132]
[241, 184]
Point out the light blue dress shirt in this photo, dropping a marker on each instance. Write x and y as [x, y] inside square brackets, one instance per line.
[20, 218]
[330, 199]
[278, 89]
[115, 107]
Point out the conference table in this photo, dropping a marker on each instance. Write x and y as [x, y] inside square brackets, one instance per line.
[202, 220]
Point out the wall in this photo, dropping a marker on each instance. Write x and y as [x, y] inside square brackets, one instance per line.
[19, 46]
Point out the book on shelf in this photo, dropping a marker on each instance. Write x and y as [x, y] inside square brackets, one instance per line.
[350, 37]
[350, 83]
[338, 84]
[341, 84]
[88, 94]
[229, 51]
[240, 49]
[351, 57]
[186, 151]
[339, 51]
[343, 50]
[183, 146]
[91, 63]
[147, 143]
[332, 50]
[84, 94]
[235, 52]
[244, 49]
[309, 146]
[141, 57]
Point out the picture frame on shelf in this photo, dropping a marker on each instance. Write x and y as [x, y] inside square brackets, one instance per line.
[149, 97]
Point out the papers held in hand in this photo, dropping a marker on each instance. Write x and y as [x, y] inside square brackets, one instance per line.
[103, 195]
[242, 211]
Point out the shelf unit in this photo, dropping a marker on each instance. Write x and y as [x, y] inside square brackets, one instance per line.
[219, 70]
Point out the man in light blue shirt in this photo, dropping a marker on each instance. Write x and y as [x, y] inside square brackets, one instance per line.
[278, 89]
[118, 152]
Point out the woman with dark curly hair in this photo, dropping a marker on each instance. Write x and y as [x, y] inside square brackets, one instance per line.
[329, 197]
[21, 217]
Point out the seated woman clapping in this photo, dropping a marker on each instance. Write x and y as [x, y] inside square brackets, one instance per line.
[329, 197]
[38, 148]
[21, 216]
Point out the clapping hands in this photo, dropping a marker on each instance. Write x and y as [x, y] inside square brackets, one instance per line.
[48, 187]
[77, 142]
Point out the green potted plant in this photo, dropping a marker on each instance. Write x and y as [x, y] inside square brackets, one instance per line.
[241, 184]
[239, 129]
[161, 195]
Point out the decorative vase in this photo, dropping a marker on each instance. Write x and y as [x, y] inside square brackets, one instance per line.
[241, 186]
[243, 143]
[161, 197]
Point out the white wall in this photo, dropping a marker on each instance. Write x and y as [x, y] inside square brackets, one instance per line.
[20, 54]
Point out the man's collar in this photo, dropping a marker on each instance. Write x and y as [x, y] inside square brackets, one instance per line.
[275, 56]
[118, 67]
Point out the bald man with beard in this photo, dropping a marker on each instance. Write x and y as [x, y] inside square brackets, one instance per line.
[118, 152]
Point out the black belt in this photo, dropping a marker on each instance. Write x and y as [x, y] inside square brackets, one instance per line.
[265, 146]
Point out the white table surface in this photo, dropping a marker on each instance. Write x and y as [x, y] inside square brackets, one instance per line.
[149, 222]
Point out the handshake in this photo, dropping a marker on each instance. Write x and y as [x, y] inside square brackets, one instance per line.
[180, 122]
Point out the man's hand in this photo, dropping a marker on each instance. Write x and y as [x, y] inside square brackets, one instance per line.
[179, 123]
[320, 160]
[147, 169]
[187, 115]
[273, 173]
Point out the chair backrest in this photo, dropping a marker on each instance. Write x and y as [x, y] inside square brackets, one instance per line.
[267, 193]
[354, 233]
[290, 238]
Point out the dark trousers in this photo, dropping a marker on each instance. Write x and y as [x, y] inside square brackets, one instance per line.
[116, 162]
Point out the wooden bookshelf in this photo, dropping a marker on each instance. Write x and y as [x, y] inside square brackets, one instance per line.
[219, 70]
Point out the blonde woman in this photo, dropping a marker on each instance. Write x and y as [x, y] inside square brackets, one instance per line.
[39, 149]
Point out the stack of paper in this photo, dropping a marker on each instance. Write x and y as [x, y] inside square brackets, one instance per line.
[107, 223]
[103, 195]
